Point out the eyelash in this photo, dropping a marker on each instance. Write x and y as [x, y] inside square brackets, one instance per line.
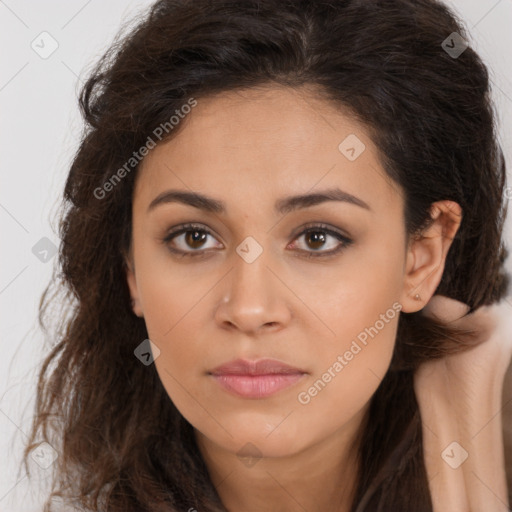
[346, 242]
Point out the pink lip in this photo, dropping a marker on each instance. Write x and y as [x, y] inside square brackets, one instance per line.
[256, 379]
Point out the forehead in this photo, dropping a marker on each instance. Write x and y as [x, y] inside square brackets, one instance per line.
[257, 144]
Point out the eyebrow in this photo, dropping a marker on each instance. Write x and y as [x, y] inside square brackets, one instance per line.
[282, 206]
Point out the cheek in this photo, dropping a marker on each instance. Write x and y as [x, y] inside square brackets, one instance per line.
[349, 371]
[358, 300]
[353, 344]
[172, 294]
[355, 351]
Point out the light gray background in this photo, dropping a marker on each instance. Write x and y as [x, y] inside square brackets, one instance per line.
[40, 130]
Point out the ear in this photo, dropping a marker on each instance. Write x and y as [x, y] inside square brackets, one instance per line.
[132, 284]
[426, 255]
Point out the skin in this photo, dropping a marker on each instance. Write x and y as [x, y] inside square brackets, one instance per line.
[250, 148]
[460, 399]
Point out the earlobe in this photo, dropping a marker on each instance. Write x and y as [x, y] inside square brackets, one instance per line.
[426, 255]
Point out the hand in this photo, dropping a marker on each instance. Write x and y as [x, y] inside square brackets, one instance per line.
[459, 398]
[491, 356]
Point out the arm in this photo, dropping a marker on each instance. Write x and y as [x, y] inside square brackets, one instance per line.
[459, 397]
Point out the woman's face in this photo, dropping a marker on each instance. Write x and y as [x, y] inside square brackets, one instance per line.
[248, 281]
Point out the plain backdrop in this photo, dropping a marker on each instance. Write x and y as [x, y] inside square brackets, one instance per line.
[47, 48]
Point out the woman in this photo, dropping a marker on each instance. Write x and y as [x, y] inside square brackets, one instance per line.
[272, 221]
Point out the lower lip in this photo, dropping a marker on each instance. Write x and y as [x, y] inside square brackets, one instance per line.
[257, 386]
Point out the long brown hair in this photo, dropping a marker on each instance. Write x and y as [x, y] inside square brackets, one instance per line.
[121, 443]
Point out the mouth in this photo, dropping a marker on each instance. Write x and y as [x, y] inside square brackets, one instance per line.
[256, 379]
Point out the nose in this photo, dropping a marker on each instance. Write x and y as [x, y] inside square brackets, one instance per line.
[253, 297]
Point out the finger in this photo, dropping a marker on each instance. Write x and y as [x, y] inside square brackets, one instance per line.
[445, 309]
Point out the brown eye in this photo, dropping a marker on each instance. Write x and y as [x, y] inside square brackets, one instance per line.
[315, 239]
[188, 240]
[319, 237]
[195, 239]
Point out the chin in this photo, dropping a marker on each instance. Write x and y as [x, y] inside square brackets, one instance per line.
[260, 439]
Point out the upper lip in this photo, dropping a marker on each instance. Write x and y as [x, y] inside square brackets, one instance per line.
[259, 367]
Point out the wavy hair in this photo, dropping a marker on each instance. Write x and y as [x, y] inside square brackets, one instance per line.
[122, 444]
